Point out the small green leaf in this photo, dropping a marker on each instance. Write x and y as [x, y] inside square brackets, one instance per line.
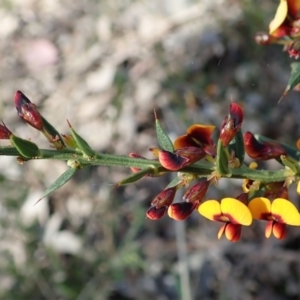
[162, 137]
[222, 159]
[59, 182]
[135, 176]
[294, 78]
[237, 145]
[81, 143]
[26, 148]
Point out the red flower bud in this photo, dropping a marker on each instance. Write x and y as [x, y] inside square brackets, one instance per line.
[164, 198]
[181, 210]
[5, 133]
[182, 157]
[231, 124]
[261, 150]
[196, 192]
[28, 111]
[172, 161]
[154, 213]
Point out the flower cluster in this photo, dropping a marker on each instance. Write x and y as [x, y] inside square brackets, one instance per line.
[199, 163]
[284, 28]
[261, 200]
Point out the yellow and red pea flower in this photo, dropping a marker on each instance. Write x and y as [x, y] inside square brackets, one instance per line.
[233, 212]
[278, 214]
[261, 150]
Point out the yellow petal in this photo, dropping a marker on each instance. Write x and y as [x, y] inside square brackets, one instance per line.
[236, 211]
[298, 187]
[286, 211]
[210, 209]
[280, 16]
[260, 208]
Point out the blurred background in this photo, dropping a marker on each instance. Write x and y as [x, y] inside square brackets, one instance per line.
[105, 65]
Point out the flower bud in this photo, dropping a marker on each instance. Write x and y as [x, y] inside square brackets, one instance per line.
[164, 198]
[154, 213]
[5, 133]
[181, 210]
[196, 192]
[261, 150]
[172, 161]
[28, 111]
[231, 124]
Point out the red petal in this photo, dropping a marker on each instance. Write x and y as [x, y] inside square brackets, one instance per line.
[196, 192]
[263, 151]
[164, 198]
[236, 114]
[172, 161]
[154, 213]
[279, 230]
[233, 232]
[181, 210]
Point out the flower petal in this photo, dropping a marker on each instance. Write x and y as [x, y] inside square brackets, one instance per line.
[185, 141]
[181, 210]
[280, 16]
[222, 230]
[260, 208]
[210, 209]
[279, 230]
[236, 211]
[286, 210]
[293, 8]
[233, 232]
[201, 133]
[269, 228]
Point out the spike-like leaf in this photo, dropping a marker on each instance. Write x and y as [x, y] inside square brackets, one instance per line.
[294, 78]
[59, 182]
[81, 143]
[162, 137]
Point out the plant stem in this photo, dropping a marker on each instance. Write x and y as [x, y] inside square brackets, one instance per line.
[202, 169]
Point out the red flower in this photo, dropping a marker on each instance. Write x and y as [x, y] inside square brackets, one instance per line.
[261, 150]
[182, 157]
[196, 135]
[160, 203]
[231, 124]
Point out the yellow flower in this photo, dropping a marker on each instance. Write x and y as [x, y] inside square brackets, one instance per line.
[230, 211]
[279, 213]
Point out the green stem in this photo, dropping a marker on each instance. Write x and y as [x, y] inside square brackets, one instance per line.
[201, 169]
